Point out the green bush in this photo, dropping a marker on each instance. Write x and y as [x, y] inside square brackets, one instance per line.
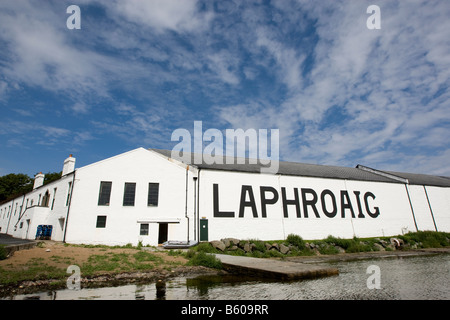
[203, 259]
[3, 254]
[296, 240]
[428, 239]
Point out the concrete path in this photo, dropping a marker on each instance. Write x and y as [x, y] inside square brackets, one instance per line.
[271, 268]
[13, 244]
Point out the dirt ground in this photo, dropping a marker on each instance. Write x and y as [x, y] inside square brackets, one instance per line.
[58, 255]
[76, 254]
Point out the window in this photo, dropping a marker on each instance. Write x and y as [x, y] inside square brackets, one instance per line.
[128, 194]
[105, 193]
[101, 222]
[153, 190]
[69, 191]
[53, 201]
[144, 229]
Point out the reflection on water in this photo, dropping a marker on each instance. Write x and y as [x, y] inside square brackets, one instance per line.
[400, 278]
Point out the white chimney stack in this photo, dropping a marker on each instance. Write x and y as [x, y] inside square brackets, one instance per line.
[38, 180]
[69, 165]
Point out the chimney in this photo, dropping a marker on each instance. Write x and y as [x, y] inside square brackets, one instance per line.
[38, 180]
[69, 165]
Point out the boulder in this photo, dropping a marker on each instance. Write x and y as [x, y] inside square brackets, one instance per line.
[396, 242]
[219, 245]
[379, 247]
[226, 242]
[340, 249]
[284, 249]
[247, 247]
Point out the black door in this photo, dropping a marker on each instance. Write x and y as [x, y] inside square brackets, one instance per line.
[162, 236]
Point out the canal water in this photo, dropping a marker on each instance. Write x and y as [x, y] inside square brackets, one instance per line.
[402, 278]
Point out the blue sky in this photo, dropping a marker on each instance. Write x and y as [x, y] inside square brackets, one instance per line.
[339, 93]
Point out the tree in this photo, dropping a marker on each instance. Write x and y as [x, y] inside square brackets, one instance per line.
[13, 184]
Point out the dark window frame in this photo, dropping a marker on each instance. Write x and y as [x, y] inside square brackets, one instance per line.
[144, 231]
[101, 222]
[129, 194]
[104, 195]
[153, 194]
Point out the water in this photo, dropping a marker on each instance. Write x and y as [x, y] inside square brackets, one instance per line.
[404, 278]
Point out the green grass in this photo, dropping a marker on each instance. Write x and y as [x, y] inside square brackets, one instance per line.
[298, 246]
[3, 254]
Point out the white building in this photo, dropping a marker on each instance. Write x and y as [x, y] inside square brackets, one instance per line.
[146, 196]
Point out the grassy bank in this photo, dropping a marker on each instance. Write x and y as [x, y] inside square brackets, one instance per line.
[294, 245]
[50, 260]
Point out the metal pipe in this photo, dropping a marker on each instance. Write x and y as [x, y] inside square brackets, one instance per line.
[68, 207]
[410, 204]
[429, 206]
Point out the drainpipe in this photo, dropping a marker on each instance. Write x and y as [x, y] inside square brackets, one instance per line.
[185, 209]
[429, 206]
[410, 204]
[198, 206]
[195, 207]
[68, 207]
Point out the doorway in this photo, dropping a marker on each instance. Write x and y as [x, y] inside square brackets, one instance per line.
[162, 234]
[203, 229]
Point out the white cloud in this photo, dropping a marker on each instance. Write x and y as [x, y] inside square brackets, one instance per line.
[176, 15]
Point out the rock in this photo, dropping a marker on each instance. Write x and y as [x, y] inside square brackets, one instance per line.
[226, 242]
[234, 241]
[384, 243]
[233, 248]
[390, 247]
[218, 245]
[248, 247]
[48, 250]
[396, 242]
[268, 246]
[284, 249]
[276, 246]
[340, 249]
[379, 247]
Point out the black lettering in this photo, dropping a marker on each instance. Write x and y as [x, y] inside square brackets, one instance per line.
[346, 203]
[360, 214]
[265, 201]
[217, 213]
[311, 203]
[329, 214]
[287, 202]
[377, 211]
[244, 203]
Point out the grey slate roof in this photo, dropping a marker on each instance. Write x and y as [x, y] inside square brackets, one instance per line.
[319, 171]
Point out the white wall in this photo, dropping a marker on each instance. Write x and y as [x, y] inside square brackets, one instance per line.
[395, 215]
[140, 166]
[30, 213]
[440, 205]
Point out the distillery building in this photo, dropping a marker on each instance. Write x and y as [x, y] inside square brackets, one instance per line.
[149, 196]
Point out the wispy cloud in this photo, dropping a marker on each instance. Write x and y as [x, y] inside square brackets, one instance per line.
[136, 70]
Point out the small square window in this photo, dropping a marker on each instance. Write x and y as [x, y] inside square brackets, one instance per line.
[144, 229]
[101, 222]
